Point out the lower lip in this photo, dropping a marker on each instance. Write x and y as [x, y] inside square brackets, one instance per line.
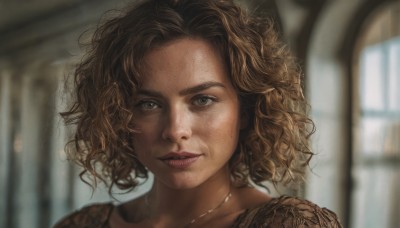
[181, 163]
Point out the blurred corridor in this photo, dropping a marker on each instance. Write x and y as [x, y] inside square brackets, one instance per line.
[350, 54]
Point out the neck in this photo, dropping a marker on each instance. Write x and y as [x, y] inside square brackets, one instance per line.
[169, 204]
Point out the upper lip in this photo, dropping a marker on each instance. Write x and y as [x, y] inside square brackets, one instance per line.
[178, 155]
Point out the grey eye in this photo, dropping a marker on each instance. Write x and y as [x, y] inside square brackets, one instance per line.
[148, 105]
[203, 101]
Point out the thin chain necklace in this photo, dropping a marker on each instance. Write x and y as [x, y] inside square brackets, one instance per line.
[194, 220]
[226, 199]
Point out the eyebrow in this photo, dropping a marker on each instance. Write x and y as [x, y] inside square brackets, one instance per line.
[201, 87]
[187, 91]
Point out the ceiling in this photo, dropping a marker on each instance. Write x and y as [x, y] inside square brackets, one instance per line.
[14, 13]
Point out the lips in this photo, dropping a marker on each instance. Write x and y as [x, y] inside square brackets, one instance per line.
[180, 160]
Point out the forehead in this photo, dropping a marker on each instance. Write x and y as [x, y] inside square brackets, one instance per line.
[186, 60]
[195, 48]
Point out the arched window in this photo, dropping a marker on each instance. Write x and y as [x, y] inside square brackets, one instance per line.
[376, 121]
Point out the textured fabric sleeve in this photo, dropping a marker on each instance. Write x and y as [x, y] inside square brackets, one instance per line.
[88, 217]
[289, 212]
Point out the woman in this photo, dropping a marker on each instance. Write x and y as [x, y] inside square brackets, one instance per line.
[206, 98]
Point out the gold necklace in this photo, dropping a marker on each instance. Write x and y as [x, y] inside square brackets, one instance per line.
[226, 199]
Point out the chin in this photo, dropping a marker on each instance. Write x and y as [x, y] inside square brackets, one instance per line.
[182, 183]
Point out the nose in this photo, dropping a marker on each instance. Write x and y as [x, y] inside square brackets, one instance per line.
[177, 125]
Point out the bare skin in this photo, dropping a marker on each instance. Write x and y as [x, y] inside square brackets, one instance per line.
[187, 105]
[126, 215]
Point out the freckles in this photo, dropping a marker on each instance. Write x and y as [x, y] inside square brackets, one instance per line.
[223, 127]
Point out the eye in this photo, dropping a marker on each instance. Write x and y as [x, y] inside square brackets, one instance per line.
[147, 105]
[204, 100]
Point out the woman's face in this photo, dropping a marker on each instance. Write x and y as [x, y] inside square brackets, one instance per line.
[187, 114]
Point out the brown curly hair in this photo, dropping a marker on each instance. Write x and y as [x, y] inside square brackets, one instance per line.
[274, 147]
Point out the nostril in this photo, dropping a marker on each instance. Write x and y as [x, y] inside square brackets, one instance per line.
[176, 133]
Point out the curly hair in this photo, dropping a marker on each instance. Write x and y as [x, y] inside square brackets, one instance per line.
[274, 147]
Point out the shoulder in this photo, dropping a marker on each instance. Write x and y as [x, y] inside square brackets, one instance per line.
[288, 211]
[96, 215]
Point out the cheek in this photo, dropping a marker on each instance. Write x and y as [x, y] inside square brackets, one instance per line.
[223, 127]
[142, 146]
[147, 133]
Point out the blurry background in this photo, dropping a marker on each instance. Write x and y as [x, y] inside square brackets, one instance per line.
[350, 53]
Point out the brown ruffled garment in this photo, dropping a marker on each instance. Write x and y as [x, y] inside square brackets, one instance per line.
[93, 216]
[282, 212]
[287, 212]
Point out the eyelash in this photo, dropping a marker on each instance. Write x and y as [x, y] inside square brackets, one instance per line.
[209, 101]
[142, 103]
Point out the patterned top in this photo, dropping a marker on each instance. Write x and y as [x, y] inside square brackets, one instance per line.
[285, 212]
